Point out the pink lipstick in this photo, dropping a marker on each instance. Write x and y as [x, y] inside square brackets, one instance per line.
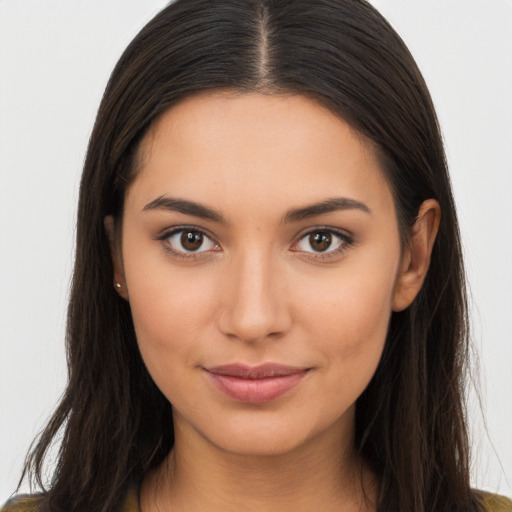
[255, 384]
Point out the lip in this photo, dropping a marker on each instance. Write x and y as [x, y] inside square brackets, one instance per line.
[255, 384]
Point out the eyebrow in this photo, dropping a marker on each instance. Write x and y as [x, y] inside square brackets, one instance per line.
[295, 215]
[328, 206]
[185, 207]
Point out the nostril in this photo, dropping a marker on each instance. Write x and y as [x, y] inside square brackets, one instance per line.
[254, 329]
[252, 306]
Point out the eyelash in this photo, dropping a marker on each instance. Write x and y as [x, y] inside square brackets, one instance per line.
[345, 241]
[184, 255]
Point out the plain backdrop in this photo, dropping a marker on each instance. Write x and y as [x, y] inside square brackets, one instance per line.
[55, 58]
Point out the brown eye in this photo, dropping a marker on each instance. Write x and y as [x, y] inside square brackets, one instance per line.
[191, 240]
[323, 241]
[320, 242]
[186, 241]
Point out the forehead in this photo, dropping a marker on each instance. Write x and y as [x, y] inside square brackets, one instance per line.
[255, 145]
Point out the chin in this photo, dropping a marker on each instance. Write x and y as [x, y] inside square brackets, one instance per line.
[273, 433]
[260, 444]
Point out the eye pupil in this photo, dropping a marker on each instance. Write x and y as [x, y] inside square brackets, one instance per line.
[191, 241]
[320, 241]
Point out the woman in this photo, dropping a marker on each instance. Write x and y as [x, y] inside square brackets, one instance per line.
[267, 241]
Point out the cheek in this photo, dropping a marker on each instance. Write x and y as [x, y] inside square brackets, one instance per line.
[349, 318]
[170, 312]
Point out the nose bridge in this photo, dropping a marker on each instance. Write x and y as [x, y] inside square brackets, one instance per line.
[255, 306]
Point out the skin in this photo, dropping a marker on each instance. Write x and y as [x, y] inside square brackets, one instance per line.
[258, 291]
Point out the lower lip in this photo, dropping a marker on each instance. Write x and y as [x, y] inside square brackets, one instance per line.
[256, 391]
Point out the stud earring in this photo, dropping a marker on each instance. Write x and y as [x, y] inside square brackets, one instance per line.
[118, 285]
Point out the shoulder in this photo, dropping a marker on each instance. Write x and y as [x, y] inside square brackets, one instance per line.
[23, 503]
[131, 502]
[496, 503]
[32, 502]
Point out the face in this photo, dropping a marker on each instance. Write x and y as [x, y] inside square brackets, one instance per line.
[260, 256]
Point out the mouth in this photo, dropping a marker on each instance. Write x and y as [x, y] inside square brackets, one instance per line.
[255, 384]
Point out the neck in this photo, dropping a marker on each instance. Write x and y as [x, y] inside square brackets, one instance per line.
[324, 474]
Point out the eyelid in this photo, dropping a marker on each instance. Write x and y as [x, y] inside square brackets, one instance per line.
[186, 255]
[347, 240]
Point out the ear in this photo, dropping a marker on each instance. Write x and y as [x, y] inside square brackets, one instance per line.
[416, 258]
[117, 261]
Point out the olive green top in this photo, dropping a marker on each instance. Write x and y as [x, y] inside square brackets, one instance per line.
[492, 502]
[495, 503]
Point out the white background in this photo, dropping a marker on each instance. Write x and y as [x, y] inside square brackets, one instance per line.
[55, 58]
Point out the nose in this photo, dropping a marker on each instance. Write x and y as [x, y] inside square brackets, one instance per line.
[255, 304]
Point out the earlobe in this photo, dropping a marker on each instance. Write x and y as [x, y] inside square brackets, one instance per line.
[117, 263]
[416, 258]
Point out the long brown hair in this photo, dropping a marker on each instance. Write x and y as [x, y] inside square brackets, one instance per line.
[410, 421]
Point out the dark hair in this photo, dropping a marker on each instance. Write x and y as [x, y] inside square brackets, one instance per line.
[410, 421]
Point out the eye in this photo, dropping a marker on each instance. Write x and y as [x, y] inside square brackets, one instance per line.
[323, 241]
[185, 241]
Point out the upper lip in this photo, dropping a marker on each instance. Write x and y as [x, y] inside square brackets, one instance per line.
[262, 371]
